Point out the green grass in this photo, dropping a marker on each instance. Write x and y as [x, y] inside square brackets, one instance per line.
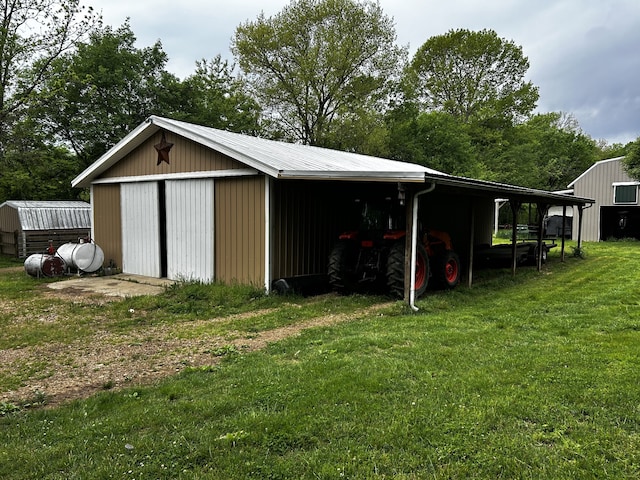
[532, 377]
[10, 261]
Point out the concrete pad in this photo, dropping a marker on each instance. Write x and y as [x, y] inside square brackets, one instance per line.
[121, 285]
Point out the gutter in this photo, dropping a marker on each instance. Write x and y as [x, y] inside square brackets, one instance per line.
[414, 245]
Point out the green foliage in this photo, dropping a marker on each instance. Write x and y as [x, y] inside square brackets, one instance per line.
[631, 160]
[44, 173]
[474, 76]
[104, 89]
[33, 33]
[542, 152]
[316, 61]
[436, 140]
[216, 98]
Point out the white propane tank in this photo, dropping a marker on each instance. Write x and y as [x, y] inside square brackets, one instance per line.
[87, 257]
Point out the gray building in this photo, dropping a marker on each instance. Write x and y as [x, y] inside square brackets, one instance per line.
[27, 227]
[616, 211]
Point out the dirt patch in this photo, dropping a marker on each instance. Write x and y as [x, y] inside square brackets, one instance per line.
[110, 360]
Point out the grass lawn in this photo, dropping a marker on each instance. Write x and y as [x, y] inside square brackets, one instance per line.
[532, 377]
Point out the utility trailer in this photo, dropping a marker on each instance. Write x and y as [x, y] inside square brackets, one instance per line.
[501, 255]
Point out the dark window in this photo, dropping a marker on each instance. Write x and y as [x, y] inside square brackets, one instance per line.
[625, 194]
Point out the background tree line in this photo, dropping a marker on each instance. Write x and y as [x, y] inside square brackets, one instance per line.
[320, 72]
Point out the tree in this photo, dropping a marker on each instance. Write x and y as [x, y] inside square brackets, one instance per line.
[33, 34]
[316, 61]
[547, 152]
[436, 140]
[474, 76]
[214, 97]
[104, 89]
[631, 161]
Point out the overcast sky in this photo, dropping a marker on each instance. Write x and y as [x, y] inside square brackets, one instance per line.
[584, 55]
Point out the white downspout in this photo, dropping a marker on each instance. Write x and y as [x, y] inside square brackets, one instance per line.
[267, 234]
[414, 245]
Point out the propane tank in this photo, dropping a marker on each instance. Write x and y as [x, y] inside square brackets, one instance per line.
[44, 265]
[84, 256]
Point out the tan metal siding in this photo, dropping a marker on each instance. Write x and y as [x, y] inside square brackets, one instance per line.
[597, 184]
[185, 156]
[240, 230]
[107, 222]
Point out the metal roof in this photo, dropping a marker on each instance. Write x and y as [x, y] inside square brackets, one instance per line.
[51, 215]
[283, 160]
[278, 159]
[592, 167]
[511, 192]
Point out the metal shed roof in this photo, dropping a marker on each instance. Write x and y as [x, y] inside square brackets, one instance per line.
[593, 167]
[523, 194]
[278, 159]
[294, 161]
[51, 215]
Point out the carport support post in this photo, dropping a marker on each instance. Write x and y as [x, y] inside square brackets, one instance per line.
[564, 225]
[408, 245]
[542, 212]
[515, 207]
[580, 209]
[472, 224]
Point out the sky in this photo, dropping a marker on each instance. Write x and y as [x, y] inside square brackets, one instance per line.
[584, 55]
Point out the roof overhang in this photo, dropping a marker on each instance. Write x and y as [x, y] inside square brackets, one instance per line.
[404, 177]
[510, 192]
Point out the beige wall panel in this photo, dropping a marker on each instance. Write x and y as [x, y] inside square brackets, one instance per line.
[185, 156]
[240, 230]
[107, 222]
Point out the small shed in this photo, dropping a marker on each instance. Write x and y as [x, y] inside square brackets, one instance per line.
[27, 227]
[616, 211]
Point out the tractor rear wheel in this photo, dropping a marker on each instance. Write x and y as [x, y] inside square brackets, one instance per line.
[341, 267]
[445, 269]
[395, 269]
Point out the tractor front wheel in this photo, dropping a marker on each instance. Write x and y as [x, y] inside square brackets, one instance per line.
[446, 269]
[395, 269]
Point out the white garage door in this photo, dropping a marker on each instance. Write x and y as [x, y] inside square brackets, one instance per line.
[140, 228]
[189, 207]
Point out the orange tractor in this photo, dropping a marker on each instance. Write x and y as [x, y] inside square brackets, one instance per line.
[373, 258]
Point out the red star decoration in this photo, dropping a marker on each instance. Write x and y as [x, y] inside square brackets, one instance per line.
[163, 149]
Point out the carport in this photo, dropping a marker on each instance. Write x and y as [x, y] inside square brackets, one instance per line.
[468, 212]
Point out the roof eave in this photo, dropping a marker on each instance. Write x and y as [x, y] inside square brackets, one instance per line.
[510, 191]
[131, 141]
[414, 177]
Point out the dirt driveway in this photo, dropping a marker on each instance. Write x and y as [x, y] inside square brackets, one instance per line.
[108, 360]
